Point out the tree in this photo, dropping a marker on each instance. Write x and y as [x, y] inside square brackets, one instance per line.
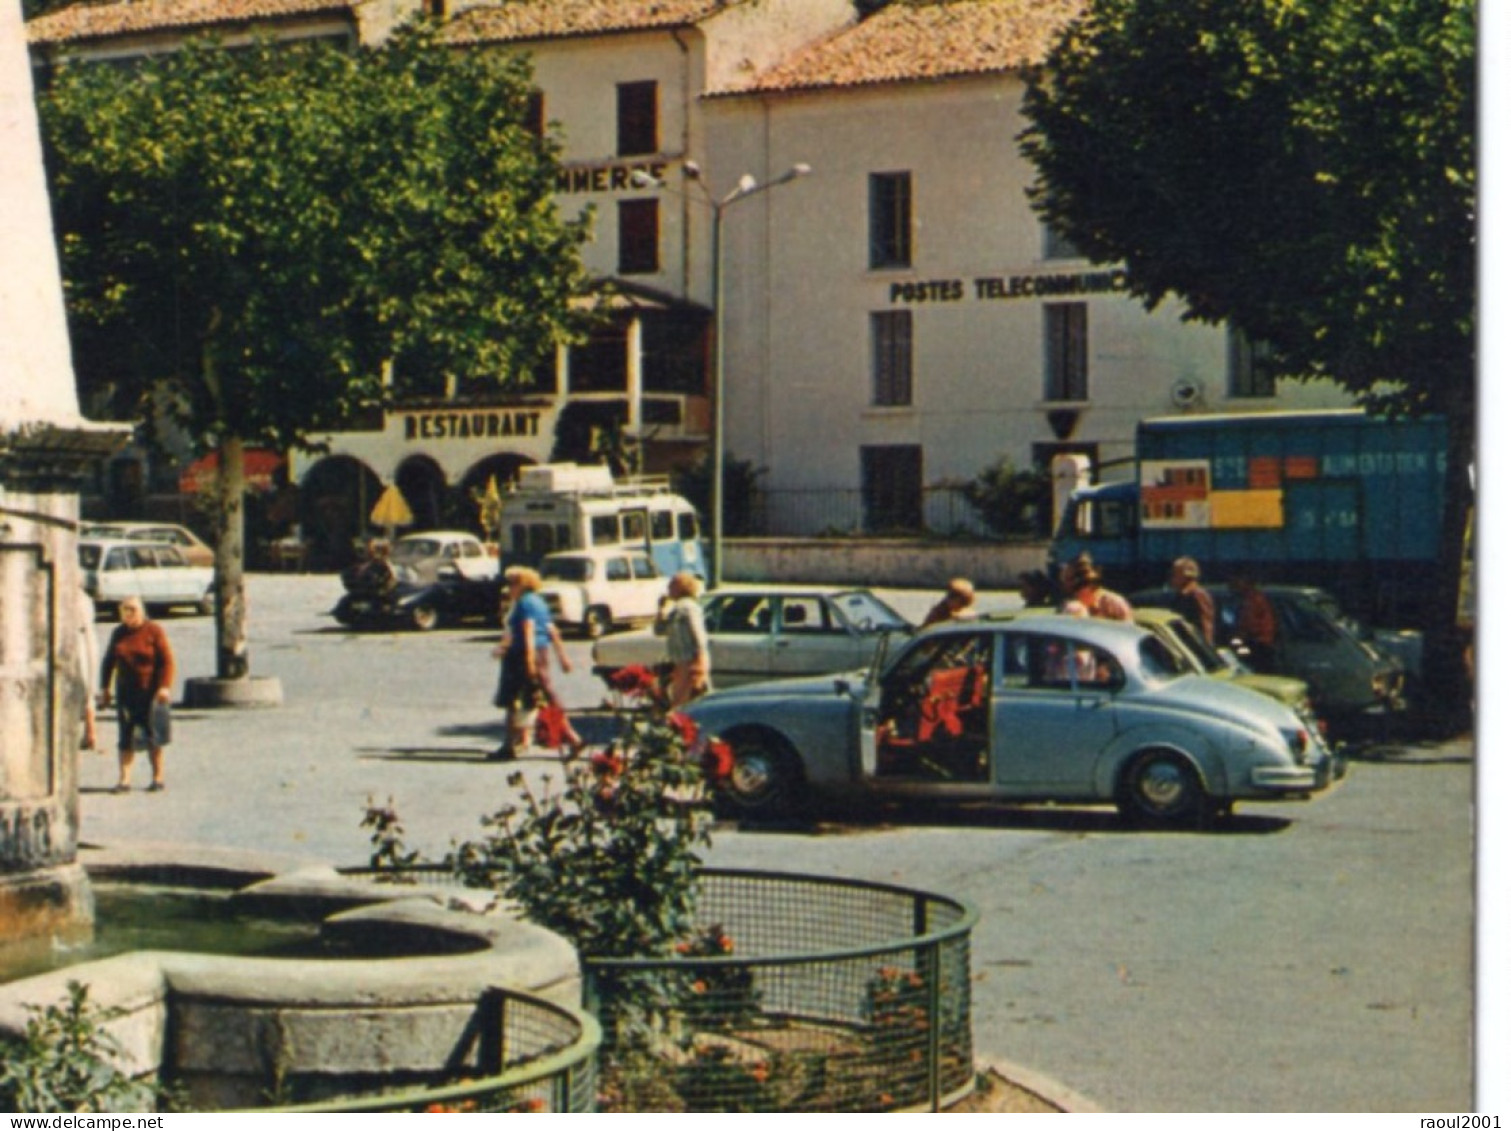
[1302, 169]
[269, 239]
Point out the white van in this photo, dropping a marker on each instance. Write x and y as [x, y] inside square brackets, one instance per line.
[564, 506]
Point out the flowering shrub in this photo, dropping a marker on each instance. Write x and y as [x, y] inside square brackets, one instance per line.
[609, 856]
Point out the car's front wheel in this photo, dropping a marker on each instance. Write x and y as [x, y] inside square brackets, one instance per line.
[765, 782]
[1162, 787]
[424, 617]
[595, 622]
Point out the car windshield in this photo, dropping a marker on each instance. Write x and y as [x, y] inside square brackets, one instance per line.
[1196, 647]
[868, 614]
[413, 549]
[567, 569]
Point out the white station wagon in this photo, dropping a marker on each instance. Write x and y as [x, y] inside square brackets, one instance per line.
[159, 574]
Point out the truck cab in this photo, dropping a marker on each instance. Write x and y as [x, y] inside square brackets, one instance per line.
[1101, 521]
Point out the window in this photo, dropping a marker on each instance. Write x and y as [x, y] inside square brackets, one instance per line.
[805, 614]
[1065, 351]
[632, 526]
[892, 357]
[604, 530]
[535, 113]
[617, 569]
[661, 526]
[1251, 366]
[1057, 246]
[891, 220]
[892, 487]
[639, 237]
[644, 569]
[746, 614]
[637, 118]
[687, 527]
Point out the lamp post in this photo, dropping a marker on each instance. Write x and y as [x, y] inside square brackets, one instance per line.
[747, 186]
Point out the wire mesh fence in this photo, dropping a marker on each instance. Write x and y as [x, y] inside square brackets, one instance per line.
[539, 1057]
[800, 993]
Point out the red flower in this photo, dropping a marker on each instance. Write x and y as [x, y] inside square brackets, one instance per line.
[636, 679]
[718, 760]
[607, 763]
[685, 727]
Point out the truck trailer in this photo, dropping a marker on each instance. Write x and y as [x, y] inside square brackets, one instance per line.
[1340, 499]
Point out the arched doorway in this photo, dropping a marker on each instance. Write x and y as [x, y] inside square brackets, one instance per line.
[423, 485]
[503, 469]
[334, 500]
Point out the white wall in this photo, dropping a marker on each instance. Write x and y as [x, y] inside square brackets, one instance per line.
[800, 291]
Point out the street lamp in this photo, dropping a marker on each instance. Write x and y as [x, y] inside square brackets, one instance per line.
[746, 186]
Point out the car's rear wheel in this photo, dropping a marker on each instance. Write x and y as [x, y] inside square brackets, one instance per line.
[1162, 787]
[765, 783]
[595, 622]
[424, 617]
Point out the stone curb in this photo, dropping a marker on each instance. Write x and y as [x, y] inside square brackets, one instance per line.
[1050, 1091]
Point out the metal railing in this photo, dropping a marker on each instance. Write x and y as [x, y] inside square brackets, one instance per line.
[800, 993]
[543, 1057]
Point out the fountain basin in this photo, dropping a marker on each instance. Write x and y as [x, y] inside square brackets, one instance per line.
[238, 1032]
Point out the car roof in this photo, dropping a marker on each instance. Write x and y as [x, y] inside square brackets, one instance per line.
[130, 543]
[1093, 630]
[442, 536]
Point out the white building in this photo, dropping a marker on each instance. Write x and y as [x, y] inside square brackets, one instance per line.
[900, 318]
[895, 321]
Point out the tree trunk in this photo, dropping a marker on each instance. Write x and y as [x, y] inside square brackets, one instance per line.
[231, 660]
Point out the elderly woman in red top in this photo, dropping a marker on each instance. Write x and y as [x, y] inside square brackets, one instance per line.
[140, 661]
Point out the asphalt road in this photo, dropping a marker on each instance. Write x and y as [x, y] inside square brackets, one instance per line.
[1310, 957]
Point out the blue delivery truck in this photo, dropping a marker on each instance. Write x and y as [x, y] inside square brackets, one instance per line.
[1339, 499]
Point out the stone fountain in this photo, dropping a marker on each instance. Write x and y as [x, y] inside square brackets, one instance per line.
[46, 448]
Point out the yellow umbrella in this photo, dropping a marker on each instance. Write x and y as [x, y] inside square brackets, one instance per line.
[391, 510]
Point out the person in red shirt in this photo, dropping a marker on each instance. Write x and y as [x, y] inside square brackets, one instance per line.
[1082, 581]
[139, 666]
[1191, 600]
[1256, 623]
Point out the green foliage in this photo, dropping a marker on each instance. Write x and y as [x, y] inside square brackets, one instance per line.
[608, 857]
[1009, 501]
[741, 486]
[1303, 168]
[261, 230]
[389, 856]
[62, 1063]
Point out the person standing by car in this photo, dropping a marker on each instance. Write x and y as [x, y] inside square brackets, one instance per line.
[958, 603]
[1191, 600]
[1256, 623]
[1083, 582]
[139, 661]
[686, 639]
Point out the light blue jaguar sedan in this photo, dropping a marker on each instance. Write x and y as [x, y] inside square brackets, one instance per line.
[1024, 709]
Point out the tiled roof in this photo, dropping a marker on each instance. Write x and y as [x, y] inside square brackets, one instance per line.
[135, 17]
[911, 40]
[513, 20]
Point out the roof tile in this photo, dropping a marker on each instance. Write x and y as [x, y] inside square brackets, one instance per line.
[911, 40]
[134, 17]
[514, 20]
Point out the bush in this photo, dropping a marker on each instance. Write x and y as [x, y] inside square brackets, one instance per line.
[1011, 502]
[62, 1063]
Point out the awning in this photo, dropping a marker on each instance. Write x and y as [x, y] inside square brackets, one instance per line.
[258, 465]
